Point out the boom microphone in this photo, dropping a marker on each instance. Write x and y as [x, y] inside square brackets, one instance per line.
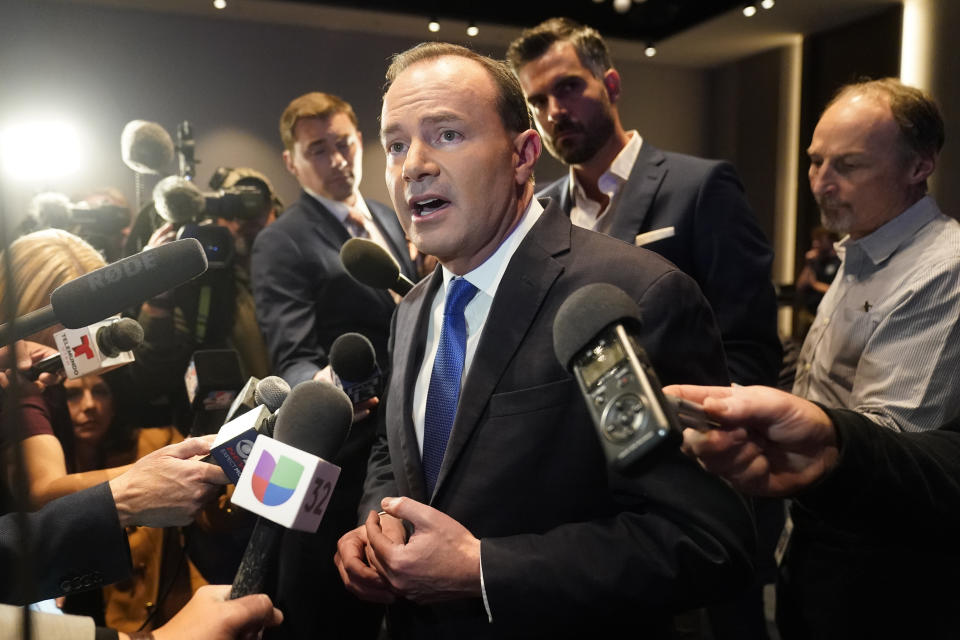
[111, 340]
[370, 264]
[111, 289]
[314, 423]
[178, 200]
[595, 338]
[146, 147]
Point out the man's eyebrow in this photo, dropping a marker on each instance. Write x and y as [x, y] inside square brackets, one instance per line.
[430, 120]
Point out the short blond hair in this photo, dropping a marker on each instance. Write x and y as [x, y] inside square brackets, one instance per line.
[312, 105]
[42, 261]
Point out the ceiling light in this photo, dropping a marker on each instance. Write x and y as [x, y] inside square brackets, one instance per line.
[767, 4]
[472, 30]
[650, 50]
[622, 6]
[433, 26]
[220, 4]
[750, 10]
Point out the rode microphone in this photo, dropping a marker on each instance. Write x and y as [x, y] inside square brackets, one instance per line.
[354, 362]
[94, 348]
[370, 264]
[595, 338]
[146, 147]
[287, 482]
[109, 290]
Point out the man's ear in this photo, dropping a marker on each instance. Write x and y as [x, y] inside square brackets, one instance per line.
[922, 167]
[527, 148]
[611, 82]
[288, 162]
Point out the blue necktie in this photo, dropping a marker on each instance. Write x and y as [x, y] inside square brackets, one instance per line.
[444, 390]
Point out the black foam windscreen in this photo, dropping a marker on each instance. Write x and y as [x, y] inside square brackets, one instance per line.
[315, 418]
[353, 357]
[127, 282]
[123, 335]
[585, 313]
[271, 392]
[370, 264]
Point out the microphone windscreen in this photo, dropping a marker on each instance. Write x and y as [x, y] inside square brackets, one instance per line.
[146, 147]
[127, 282]
[178, 200]
[587, 312]
[123, 335]
[368, 263]
[315, 418]
[353, 357]
[271, 392]
[50, 209]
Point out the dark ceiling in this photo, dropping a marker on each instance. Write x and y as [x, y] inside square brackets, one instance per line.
[646, 21]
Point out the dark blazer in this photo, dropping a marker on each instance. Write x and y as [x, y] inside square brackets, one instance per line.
[874, 547]
[305, 299]
[567, 548]
[76, 544]
[716, 241]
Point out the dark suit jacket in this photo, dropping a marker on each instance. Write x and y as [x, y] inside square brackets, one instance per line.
[304, 297]
[76, 544]
[717, 243]
[567, 549]
[874, 550]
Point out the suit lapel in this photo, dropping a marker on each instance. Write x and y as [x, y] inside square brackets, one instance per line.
[633, 205]
[528, 278]
[410, 338]
[327, 228]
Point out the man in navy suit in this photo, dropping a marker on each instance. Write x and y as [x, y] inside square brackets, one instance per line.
[689, 210]
[488, 453]
[305, 300]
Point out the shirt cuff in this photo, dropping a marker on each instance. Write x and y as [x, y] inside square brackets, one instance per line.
[483, 589]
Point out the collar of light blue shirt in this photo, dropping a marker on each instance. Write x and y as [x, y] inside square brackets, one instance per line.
[881, 243]
[340, 210]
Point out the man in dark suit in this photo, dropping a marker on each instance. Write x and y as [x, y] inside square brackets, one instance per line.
[488, 452]
[689, 210]
[305, 300]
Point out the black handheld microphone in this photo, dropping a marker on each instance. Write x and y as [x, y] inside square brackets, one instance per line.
[315, 418]
[125, 334]
[354, 361]
[370, 264]
[595, 338]
[111, 289]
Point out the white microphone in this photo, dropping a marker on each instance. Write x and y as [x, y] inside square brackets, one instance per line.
[93, 349]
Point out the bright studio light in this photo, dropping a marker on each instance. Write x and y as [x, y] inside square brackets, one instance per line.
[40, 150]
[433, 25]
[767, 4]
[220, 4]
[472, 30]
[750, 10]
